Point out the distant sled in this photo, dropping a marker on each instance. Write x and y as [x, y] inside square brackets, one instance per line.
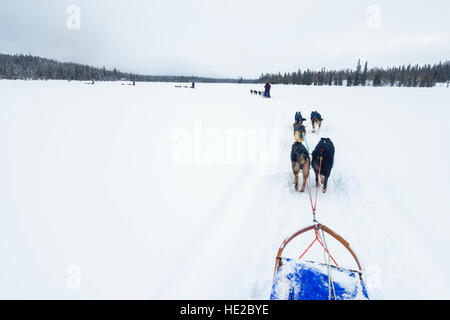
[295, 279]
[185, 86]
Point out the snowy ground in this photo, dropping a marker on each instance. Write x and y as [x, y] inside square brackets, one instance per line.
[139, 192]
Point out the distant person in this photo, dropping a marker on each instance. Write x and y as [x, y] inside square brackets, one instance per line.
[134, 83]
[193, 85]
[267, 90]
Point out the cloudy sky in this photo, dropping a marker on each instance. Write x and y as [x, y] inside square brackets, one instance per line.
[228, 38]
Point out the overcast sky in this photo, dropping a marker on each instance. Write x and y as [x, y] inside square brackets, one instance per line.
[229, 38]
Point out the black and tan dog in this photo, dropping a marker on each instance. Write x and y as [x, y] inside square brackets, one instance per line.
[298, 118]
[322, 159]
[300, 157]
[316, 119]
[299, 132]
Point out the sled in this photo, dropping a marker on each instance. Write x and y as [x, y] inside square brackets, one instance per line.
[307, 280]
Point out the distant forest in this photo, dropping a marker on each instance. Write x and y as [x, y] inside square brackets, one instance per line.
[403, 76]
[30, 67]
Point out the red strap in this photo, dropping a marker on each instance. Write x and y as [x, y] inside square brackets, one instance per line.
[317, 239]
[317, 191]
[314, 210]
[307, 248]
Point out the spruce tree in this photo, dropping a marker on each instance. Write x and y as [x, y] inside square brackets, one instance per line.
[377, 79]
[364, 75]
[357, 78]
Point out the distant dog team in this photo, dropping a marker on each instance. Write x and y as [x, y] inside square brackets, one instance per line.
[265, 93]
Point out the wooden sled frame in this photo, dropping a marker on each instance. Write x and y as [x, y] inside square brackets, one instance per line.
[318, 226]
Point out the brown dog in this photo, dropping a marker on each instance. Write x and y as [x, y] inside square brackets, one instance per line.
[316, 119]
[299, 132]
[300, 159]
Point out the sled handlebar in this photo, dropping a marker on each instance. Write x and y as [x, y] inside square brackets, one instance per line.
[318, 226]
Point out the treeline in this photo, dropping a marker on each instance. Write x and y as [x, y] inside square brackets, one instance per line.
[403, 76]
[30, 67]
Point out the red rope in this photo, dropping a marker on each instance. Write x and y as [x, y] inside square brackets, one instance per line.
[308, 248]
[314, 210]
[318, 240]
[317, 190]
[327, 251]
